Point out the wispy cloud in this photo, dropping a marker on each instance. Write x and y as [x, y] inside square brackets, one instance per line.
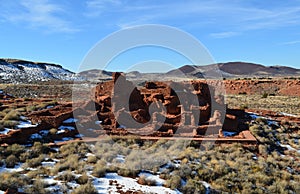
[232, 17]
[39, 14]
[291, 42]
[224, 34]
[97, 7]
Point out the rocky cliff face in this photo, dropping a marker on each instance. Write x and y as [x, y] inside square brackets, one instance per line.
[20, 71]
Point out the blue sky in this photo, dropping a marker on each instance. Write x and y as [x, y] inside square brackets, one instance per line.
[265, 32]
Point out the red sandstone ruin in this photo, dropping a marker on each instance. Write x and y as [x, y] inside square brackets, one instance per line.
[156, 109]
[182, 109]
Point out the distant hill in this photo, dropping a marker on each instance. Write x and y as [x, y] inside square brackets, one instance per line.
[235, 69]
[252, 69]
[227, 70]
[21, 71]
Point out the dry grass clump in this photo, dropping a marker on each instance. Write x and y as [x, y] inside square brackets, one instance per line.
[99, 169]
[11, 161]
[34, 162]
[87, 188]
[13, 180]
[12, 115]
[70, 163]
[83, 179]
[37, 187]
[66, 176]
[144, 180]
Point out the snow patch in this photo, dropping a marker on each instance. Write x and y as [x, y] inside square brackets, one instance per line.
[36, 136]
[17, 168]
[63, 140]
[70, 128]
[207, 187]
[70, 120]
[228, 133]
[79, 135]
[159, 181]
[120, 158]
[290, 148]
[98, 122]
[60, 131]
[5, 131]
[44, 132]
[287, 114]
[51, 164]
[26, 124]
[103, 187]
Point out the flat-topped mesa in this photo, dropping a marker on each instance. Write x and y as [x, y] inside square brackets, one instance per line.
[168, 104]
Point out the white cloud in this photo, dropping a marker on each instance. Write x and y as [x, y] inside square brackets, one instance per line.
[97, 7]
[224, 34]
[235, 16]
[291, 42]
[39, 14]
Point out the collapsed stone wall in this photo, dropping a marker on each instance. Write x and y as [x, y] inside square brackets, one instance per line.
[169, 105]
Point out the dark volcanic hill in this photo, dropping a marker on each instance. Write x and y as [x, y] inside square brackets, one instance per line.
[236, 69]
[252, 69]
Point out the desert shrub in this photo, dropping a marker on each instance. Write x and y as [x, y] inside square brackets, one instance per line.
[12, 181]
[244, 106]
[12, 115]
[11, 161]
[39, 172]
[8, 123]
[112, 168]
[128, 172]
[66, 176]
[38, 148]
[71, 163]
[81, 167]
[83, 179]
[109, 155]
[185, 171]
[25, 156]
[34, 162]
[86, 189]
[74, 148]
[92, 159]
[99, 171]
[263, 150]
[14, 149]
[23, 109]
[143, 180]
[53, 131]
[174, 182]
[193, 186]
[31, 108]
[37, 187]
[265, 95]
[165, 175]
